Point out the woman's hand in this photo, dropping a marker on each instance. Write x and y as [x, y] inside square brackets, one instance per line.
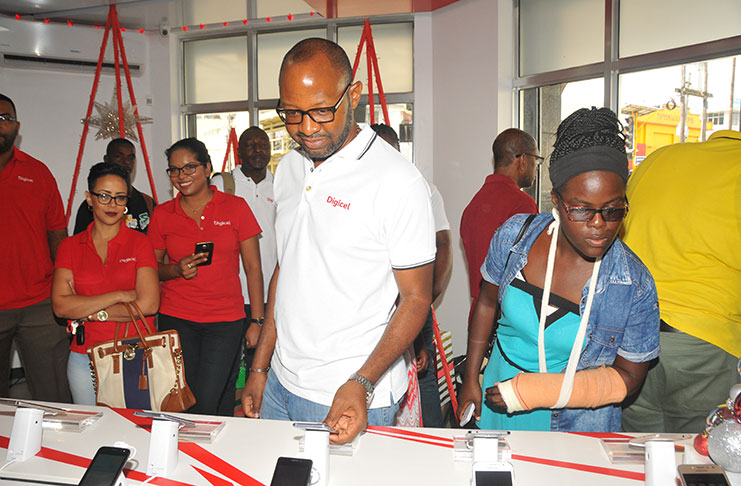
[127, 295]
[252, 335]
[187, 266]
[470, 393]
[494, 396]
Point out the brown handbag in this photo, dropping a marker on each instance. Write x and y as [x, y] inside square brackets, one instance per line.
[144, 372]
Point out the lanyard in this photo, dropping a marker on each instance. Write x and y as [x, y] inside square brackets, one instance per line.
[568, 382]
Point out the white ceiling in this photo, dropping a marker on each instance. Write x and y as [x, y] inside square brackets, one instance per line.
[133, 14]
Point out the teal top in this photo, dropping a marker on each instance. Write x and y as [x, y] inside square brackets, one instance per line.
[516, 349]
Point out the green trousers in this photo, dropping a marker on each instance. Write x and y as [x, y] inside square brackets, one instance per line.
[691, 378]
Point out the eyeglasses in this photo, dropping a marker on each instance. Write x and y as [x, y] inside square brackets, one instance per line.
[583, 215]
[538, 159]
[105, 199]
[5, 118]
[319, 115]
[187, 169]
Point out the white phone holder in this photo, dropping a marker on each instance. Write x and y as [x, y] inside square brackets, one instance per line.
[163, 448]
[485, 449]
[661, 463]
[316, 448]
[25, 438]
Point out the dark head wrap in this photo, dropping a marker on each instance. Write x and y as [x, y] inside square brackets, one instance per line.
[589, 139]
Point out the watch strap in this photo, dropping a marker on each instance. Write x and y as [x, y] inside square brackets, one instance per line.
[369, 388]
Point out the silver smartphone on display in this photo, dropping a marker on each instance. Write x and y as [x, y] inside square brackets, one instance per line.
[702, 475]
[492, 474]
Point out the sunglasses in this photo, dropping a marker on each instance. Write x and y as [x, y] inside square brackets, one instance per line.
[582, 215]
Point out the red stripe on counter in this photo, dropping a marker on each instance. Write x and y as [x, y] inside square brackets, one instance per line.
[582, 467]
[212, 478]
[80, 461]
[407, 432]
[439, 444]
[197, 452]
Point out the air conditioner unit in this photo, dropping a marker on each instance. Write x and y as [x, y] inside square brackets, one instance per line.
[35, 44]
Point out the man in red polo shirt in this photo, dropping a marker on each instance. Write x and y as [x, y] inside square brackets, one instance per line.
[516, 159]
[34, 227]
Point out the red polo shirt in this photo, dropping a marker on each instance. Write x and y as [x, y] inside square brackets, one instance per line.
[497, 200]
[31, 206]
[128, 251]
[215, 294]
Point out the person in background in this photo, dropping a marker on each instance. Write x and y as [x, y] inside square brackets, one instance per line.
[355, 233]
[201, 293]
[99, 269]
[424, 345]
[579, 313]
[34, 227]
[253, 182]
[123, 153]
[516, 161]
[685, 224]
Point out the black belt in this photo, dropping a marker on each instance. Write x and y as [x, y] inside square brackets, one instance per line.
[664, 327]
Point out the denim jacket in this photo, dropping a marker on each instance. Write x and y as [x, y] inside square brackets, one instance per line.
[624, 319]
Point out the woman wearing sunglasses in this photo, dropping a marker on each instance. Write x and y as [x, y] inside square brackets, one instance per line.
[199, 238]
[98, 269]
[579, 312]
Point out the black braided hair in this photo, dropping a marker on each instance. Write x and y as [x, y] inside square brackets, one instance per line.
[588, 128]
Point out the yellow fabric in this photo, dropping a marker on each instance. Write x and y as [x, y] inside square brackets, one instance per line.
[685, 225]
[592, 389]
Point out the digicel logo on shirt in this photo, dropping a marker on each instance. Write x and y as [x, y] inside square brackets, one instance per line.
[338, 202]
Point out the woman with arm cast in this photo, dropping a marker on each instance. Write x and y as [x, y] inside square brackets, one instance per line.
[579, 311]
[98, 269]
[201, 294]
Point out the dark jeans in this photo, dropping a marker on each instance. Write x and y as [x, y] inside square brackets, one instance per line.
[432, 415]
[210, 351]
[227, 407]
[44, 348]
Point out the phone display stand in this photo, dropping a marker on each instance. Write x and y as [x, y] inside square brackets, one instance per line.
[463, 446]
[25, 438]
[661, 464]
[316, 448]
[163, 448]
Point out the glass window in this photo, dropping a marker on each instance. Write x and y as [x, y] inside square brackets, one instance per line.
[275, 8]
[664, 24]
[213, 130]
[270, 51]
[401, 120]
[656, 113]
[542, 110]
[281, 142]
[394, 45]
[558, 35]
[214, 11]
[216, 70]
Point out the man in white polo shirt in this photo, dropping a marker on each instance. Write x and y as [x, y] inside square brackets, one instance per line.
[252, 181]
[354, 229]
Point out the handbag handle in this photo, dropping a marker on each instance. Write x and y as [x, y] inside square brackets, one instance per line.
[136, 324]
[141, 317]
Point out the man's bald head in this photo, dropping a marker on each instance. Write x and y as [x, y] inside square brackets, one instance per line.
[308, 49]
[510, 143]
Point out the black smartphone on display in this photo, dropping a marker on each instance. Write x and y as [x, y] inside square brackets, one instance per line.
[105, 467]
[205, 247]
[702, 475]
[292, 471]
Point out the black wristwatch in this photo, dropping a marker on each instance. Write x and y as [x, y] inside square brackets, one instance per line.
[369, 388]
[259, 321]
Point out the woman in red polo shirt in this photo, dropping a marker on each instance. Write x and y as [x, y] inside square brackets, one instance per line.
[201, 295]
[98, 269]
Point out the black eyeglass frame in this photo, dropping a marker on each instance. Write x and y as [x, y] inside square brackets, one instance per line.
[103, 195]
[7, 119]
[606, 213]
[173, 172]
[539, 159]
[282, 112]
